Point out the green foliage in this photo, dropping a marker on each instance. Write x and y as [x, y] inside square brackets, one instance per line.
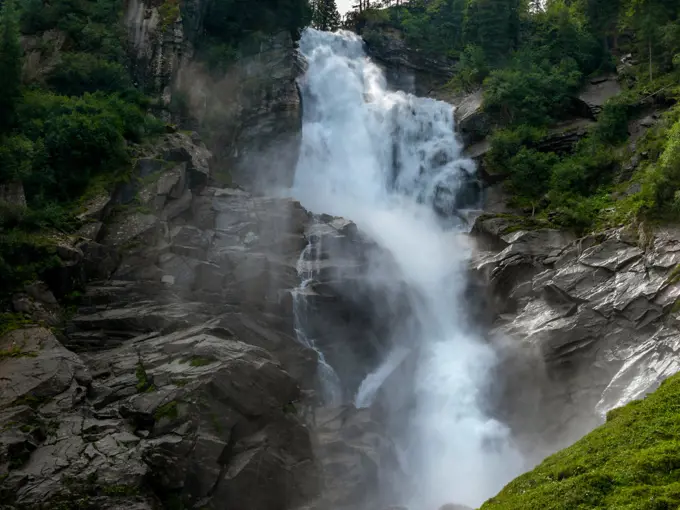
[198, 361]
[10, 64]
[169, 12]
[506, 143]
[16, 158]
[75, 139]
[531, 173]
[325, 15]
[16, 352]
[144, 382]
[612, 123]
[10, 322]
[662, 180]
[631, 462]
[493, 25]
[530, 92]
[169, 411]
[78, 73]
[232, 21]
[471, 69]
[218, 56]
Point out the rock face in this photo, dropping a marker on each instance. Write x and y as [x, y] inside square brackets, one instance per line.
[252, 111]
[266, 145]
[179, 379]
[406, 68]
[598, 90]
[598, 313]
[159, 43]
[199, 411]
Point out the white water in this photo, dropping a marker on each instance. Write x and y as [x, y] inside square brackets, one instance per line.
[387, 160]
[370, 386]
[307, 268]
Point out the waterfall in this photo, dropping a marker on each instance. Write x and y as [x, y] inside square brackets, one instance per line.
[308, 267]
[390, 162]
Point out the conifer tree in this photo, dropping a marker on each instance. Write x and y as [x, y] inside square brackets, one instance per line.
[10, 64]
[325, 15]
[493, 25]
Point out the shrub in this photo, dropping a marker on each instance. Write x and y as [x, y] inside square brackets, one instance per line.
[78, 73]
[531, 93]
[77, 138]
[530, 175]
[507, 143]
[16, 158]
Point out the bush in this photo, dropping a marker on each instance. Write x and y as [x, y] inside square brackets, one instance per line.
[612, 123]
[471, 69]
[16, 158]
[77, 138]
[530, 175]
[584, 172]
[78, 73]
[531, 93]
[506, 143]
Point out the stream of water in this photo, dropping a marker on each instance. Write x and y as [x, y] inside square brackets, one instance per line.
[390, 162]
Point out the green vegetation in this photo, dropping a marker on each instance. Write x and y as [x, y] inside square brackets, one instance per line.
[169, 411]
[13, 321]
[144, 382]
[16, 352]
[531, 60]
[198, 361]
[233, 28]
[631, 462]
[325, 15]
[85, 493]
[69, 114]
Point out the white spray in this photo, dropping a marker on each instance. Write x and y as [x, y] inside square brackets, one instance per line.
[390, 162]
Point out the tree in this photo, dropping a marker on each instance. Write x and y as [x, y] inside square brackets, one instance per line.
[325, 15]
[646, 18]
[530, 173]
[493, 25]
[10, 64]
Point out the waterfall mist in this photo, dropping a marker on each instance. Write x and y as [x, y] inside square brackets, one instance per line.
[391, 163]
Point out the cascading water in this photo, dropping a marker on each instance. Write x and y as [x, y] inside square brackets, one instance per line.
[307, 268]
[390, 162]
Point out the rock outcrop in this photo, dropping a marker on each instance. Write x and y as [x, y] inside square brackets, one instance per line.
[597, 312]
[178, 378]
[406, 68]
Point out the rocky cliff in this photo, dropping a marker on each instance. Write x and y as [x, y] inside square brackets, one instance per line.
[177, 377]
[248, 112]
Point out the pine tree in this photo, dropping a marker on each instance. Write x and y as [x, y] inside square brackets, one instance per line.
[325, 15]
[493, 25]
[10, 64]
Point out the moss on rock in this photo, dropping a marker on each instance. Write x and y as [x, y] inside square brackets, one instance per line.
[631, 462]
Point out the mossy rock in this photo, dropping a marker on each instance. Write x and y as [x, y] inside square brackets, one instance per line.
[631, 462]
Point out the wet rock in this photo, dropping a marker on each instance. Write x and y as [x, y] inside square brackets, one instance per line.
[563, 138]
[472, 123]
[599, 316]
[196, 414]
[597, 91]
[353, 452]
[406, 68]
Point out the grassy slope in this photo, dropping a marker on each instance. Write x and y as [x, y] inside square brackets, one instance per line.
[632, 462]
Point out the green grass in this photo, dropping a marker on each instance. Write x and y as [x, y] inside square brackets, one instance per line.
[632, 462]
